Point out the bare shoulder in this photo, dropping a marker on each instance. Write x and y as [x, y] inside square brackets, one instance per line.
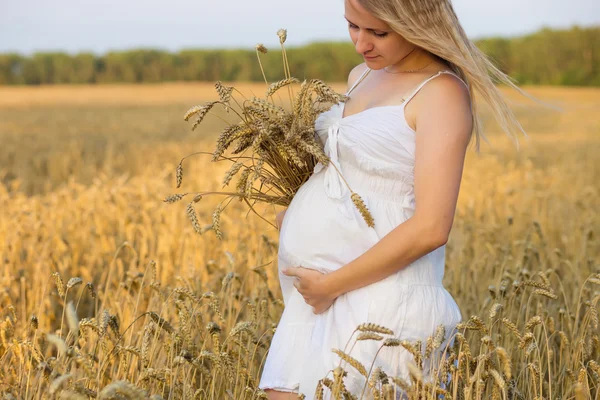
[446, 89]
[445, 97]
[355, 74]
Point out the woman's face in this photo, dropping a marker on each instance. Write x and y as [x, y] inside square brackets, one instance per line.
[379, 45]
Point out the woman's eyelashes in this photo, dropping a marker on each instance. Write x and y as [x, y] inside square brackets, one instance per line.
[352, 26]
[377, 34]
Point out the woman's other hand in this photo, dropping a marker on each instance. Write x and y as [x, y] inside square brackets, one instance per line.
[313, 286]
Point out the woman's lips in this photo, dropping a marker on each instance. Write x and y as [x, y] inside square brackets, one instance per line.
[370, 58]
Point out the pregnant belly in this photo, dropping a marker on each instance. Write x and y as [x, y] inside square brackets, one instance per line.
[316, 234]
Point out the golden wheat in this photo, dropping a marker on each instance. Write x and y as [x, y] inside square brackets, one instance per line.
[520, 217]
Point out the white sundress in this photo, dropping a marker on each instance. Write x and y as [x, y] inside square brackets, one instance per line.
[375, 151]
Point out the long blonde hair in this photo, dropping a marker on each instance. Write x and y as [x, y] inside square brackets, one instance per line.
[434, 26]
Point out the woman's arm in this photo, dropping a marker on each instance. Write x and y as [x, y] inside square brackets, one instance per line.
[444, 125]
[279, 218]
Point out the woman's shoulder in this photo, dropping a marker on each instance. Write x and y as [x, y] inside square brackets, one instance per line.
[355, 74]
[447, 84]
[443, 90]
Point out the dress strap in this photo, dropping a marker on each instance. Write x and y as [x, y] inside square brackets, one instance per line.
[407, 99]
[359, 80]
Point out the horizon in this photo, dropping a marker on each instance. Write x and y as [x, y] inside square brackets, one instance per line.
[25, 27]
[287, 46]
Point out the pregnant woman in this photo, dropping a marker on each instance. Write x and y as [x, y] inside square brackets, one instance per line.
[400, 143]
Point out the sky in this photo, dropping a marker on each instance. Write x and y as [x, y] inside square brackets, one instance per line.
[100, 26]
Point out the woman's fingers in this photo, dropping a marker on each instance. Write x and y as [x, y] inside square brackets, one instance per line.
[297, 286]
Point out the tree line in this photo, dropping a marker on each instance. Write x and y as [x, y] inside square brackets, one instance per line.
[547, 57]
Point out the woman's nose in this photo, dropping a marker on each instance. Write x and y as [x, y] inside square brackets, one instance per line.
[363, 44]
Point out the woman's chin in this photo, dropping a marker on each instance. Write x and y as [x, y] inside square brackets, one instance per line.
[374, 63]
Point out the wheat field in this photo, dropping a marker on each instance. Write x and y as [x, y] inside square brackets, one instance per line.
[108, 292]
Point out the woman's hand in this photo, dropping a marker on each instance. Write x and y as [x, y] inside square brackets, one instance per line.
[313, 286]
[279, 219]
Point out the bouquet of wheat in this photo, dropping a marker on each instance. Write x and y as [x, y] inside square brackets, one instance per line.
[274, 150]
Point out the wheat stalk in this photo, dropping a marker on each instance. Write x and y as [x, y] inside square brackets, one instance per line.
[275, 147]
[352, 361]
[371, 327]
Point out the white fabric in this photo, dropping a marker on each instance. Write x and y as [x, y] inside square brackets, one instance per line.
[322, 230]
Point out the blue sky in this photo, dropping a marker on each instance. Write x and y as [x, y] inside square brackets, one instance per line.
[82, 25]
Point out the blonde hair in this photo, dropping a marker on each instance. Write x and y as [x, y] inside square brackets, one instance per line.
[434, 26]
